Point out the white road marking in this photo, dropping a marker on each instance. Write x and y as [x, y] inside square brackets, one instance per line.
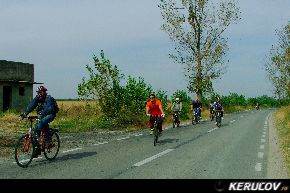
[65, 137]
[258, 167]
[263, 136]
[263, 140]
[260, 154]
[123, 138]
[75, 149]
[264, 132]
[212, 130]
[138, 134]
[152, 158]
[26, 160]
[100, 143]
[262, 146]
[232, 121]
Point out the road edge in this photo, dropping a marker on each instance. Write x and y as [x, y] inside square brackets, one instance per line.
[276, 167]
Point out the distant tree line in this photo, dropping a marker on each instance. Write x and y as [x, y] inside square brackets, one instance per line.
[125, 104]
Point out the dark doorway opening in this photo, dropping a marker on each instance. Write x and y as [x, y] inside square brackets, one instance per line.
[7, 97]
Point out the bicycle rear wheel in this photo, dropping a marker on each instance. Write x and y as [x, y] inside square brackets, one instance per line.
[24, 151]
[218, 120]
[155, 136]
[51, 150]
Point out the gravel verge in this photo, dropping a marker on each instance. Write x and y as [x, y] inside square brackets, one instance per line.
[276, 163]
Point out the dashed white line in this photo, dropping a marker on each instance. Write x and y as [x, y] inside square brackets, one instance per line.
[26, 160]
[123, 138]
[152, 158]
[100, 143]
[232, 121]
[263, 140]
[258, 167]
[260, 155]
[75, 149]
[263, 136]
[212, 130]
[262, 146]
[65, 137]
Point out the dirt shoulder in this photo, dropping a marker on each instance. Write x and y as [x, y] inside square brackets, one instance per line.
[276, 168]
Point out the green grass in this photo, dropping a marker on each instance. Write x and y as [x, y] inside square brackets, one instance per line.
[282, 120]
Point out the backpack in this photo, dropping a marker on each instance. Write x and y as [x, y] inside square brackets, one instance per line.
[56, 106]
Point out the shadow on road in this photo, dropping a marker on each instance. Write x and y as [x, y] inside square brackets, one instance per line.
[165, 141]
[61, 158]
[76, 156]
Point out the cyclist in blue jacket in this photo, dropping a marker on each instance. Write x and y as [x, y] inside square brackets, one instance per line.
[46, 108]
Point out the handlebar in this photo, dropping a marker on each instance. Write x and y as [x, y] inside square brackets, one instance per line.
[30, 118]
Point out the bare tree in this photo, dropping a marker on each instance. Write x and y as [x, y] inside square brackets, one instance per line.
[196, 28]
[278, 65]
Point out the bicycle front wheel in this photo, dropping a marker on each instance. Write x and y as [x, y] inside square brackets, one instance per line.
[24, 151]
[51, 150]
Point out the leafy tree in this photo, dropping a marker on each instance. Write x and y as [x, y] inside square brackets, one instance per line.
[162, 96]
[196, 28]
[278, 66]
[103, 85]
[137, 92]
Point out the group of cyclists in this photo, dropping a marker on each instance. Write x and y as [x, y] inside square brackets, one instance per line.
[47, 108]
[154, 108]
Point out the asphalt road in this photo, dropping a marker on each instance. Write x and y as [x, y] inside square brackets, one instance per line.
[239, 149]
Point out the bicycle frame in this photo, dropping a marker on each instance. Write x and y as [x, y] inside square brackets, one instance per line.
[155, 130]
[31, 133]
[175, 117]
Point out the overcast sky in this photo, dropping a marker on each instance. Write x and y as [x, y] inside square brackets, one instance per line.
[60, 37]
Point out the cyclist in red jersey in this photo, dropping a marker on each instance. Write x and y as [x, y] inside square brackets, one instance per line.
[154, 107]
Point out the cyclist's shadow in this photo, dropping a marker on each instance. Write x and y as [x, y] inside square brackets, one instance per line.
[167, 140]
[62, 158]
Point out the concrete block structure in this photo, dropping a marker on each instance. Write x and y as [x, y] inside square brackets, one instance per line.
[16, 85]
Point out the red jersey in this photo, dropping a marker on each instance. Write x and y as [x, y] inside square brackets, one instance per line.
[154, 107]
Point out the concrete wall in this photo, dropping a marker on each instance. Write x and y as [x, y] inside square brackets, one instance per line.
[10, 75]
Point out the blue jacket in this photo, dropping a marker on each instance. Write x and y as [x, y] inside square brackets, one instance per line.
[43, 108]
[196, 104]
[218, 106]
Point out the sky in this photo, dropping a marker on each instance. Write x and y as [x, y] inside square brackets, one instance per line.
[60, 38]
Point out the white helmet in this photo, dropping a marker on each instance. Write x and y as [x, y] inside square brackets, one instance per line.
[177, 99]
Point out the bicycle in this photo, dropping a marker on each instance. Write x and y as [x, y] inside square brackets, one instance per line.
[218, 118]
[27, 144]
[156, 119]
[211, 114]
[175, 117]
[195, 116]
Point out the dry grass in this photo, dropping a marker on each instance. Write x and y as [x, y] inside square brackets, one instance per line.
[10, 129]
[282, 121]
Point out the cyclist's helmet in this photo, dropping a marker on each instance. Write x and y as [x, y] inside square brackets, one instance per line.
[152, 95]
[41, 89]
[218, 99]
[41, 92]
[177, 99]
